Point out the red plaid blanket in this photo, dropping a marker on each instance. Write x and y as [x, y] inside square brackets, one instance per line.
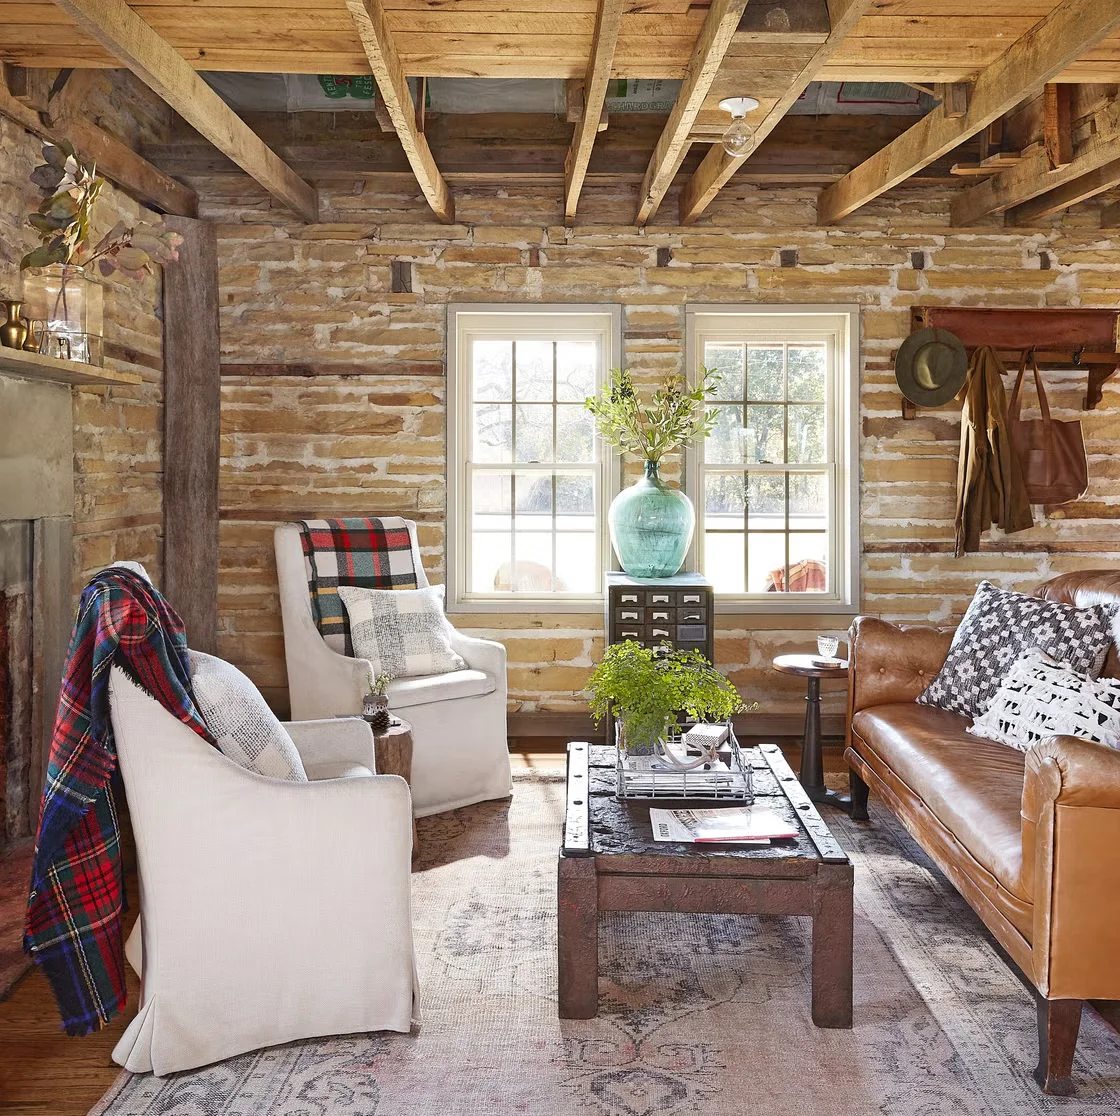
[371, 553]
[73, 925]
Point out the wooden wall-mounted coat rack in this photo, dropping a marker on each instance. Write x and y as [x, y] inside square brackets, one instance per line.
[1088, 339]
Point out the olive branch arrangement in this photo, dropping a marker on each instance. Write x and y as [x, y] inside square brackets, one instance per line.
[673, 415]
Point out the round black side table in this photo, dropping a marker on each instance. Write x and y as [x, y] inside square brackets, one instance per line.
[811, 775]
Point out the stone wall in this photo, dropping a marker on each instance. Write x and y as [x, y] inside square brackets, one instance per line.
[375, 443]
[117, 431]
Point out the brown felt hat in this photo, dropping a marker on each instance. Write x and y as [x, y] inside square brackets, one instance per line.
[931, 366]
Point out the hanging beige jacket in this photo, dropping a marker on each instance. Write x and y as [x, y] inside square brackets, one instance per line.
[990, 487]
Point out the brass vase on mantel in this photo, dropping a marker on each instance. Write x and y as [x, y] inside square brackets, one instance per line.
[13, 333]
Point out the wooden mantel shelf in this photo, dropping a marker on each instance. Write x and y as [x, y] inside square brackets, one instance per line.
[35, 366]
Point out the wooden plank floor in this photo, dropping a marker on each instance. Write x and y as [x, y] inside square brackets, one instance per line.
[44, 1072]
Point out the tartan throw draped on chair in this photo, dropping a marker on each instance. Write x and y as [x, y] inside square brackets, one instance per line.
[369, 553]
[73, 925]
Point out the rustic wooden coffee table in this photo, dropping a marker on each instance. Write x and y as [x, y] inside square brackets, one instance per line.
[609, 861]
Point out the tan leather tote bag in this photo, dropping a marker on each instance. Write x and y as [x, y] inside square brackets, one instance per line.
[1051, 453]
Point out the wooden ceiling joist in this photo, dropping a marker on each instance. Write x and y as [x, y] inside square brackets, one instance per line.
[66, 111]
[718, 167]
[1087, 186]
[715, 37]
[1027, 65]
[603, 42]
[156, 63]
[1033, 188]
[115, 160]
[369, 19]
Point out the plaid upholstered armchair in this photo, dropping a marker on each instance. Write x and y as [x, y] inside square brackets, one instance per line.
[460, 752]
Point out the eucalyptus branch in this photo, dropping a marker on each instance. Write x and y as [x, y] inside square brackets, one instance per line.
[64, 217]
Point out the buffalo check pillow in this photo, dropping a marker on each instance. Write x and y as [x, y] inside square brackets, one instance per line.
[998, 628]
[402, 632]
[1041, 697]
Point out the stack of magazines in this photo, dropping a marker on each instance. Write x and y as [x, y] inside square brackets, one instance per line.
[748, 825]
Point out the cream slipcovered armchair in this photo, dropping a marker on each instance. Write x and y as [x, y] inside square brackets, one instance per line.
[460, 752]
[269, 910]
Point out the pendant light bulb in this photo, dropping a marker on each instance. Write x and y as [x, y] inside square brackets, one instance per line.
[738, 140]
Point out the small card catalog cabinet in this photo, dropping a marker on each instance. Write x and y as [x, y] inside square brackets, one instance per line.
[652, 611]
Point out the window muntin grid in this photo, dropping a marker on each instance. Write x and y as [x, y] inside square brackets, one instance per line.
[767, 490]
[534, 473]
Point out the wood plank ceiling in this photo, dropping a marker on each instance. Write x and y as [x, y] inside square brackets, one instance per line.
[770, 49]
[897, 40]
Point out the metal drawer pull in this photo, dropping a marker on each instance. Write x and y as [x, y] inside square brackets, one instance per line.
[694, 616]
[691, 598]
[660, 598]
[659, 616]
[628, 598]
[629, 635]
[660, 633]
[629, 616]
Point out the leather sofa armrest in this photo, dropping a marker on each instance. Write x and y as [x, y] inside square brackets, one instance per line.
[1069, 771]
[1071, 830]
[888, 663]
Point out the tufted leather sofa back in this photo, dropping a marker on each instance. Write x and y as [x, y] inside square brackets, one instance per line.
[1083, 589]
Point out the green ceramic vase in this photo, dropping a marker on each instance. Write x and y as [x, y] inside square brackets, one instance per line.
[651, 526]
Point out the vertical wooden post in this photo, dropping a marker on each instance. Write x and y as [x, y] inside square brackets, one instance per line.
[191, 395]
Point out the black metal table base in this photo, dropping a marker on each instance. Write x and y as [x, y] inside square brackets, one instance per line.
[824, 796]
[811, 774]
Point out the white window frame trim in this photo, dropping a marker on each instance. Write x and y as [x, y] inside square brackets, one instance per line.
[459, 599]
[846, 599]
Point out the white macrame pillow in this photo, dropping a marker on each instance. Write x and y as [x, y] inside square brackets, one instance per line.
[247, 731]
[1042, 697]
[402, 632]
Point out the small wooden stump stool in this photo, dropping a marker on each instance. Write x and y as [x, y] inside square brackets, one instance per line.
[392, 752]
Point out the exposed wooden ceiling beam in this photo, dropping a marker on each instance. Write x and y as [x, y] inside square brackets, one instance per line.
[115, 160]
[369, 18]
[1028, 64]
[1089, 185]
[715, 37]
[156, 63]
[603, 42]
[718, 167]
[1034, 178]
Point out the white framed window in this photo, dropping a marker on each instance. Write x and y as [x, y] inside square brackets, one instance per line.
[776, 484]
[529, 478]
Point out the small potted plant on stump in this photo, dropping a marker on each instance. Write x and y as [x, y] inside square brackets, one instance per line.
[375, 703]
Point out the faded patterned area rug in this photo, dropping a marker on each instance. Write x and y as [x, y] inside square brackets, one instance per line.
[698, 1014]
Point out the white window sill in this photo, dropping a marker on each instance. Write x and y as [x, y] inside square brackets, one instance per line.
[525, 604]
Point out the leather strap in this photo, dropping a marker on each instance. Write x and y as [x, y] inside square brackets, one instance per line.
[1016, 406]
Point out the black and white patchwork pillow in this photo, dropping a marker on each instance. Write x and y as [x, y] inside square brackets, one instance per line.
[1041, 697]
[997, 628]
[402, 632]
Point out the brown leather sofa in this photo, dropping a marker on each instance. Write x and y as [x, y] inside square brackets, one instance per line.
[1032, 841]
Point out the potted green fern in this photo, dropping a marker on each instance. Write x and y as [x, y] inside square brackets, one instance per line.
[646, 689]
